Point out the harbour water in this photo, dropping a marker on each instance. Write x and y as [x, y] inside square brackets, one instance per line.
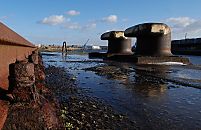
[153, 96]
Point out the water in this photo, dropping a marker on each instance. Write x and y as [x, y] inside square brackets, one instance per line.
[154, 96]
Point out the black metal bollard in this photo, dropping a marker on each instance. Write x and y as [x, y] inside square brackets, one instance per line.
[153, 39]
[117, 42]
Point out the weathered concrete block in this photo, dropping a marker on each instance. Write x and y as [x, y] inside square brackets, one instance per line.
[24, 73]
[24, 78]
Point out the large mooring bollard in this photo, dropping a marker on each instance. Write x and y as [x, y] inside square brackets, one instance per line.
[117, 42]
[153, 45]
[153, 39]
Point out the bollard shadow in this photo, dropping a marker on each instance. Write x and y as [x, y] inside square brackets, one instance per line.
[11, 77]
[4, 96]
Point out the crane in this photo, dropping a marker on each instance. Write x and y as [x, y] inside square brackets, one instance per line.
[84, 46]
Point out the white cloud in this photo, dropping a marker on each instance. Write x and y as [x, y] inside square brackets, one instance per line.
[110, 19]
[54, 20]
[180, 21]
[77, 26]
[73, 12]
[67, 23]
[89, 26]
[182, 25]
[73, 26]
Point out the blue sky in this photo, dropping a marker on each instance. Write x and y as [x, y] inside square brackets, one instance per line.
[75, 21]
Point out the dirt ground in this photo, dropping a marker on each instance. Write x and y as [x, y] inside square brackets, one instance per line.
[80, 111]
[62, 105]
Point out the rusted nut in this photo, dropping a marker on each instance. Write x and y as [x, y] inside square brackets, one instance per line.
[117, 42]
[153, 39]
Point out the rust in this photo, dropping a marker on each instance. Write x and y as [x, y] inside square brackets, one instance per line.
[13, 47]
[3, 112]
[9, 37]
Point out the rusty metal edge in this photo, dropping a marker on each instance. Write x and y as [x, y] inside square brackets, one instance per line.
[6, 42]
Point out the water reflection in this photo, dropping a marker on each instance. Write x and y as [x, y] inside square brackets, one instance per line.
[64, 56]
[140, 80]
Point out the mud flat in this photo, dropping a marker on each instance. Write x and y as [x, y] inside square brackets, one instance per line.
[80, 111]
[96, 94]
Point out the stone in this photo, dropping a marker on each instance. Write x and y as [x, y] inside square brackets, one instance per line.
[24, 79]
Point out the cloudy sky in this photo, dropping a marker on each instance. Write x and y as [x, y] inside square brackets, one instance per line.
[75, 21]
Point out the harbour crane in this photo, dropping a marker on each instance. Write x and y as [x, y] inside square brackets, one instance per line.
[84, 46]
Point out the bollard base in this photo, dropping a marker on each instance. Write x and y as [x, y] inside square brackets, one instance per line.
[99, 55]
[139, 59]
[160, 60]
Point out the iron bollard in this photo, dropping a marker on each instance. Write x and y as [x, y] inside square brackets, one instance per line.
[117, 42]
[153, 39]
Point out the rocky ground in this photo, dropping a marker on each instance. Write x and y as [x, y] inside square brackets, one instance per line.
[80, 111]
[151, 74]
[60, 104]
[41, 113]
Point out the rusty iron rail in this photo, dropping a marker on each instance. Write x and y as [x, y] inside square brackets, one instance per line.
[13, 47]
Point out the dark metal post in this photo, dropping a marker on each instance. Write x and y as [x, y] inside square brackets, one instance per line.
[64, 47]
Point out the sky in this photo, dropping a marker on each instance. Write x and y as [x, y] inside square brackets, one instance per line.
[76, 21]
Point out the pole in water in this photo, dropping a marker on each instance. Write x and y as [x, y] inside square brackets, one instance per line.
[185, 36]
[64, 48]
